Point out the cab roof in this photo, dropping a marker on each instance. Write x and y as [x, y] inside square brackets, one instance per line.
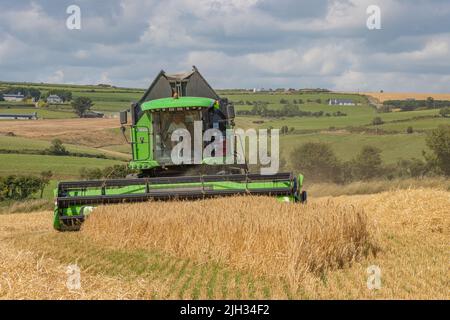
[181, 102]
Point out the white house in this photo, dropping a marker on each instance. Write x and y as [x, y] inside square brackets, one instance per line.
[341, 102]
[13, 97]
[53, 98]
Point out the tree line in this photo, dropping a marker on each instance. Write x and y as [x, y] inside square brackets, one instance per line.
[287, 110]
[19, 187]
[113, 172]
[319, 163]
[28, 93]
[410, 105]
[282, 101]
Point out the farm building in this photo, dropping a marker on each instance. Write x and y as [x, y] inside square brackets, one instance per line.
[9, 116]
[13, 97]
[341, 102]
[54, 99]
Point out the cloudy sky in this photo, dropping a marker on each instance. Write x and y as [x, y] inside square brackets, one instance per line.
[234, 43]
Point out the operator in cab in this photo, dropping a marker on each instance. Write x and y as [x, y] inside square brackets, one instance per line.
[177, 123]
[178, 120]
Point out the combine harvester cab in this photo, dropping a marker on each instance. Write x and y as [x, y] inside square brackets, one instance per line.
[172, 102]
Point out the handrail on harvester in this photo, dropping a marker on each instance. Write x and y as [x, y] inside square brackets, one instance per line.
[172, 187]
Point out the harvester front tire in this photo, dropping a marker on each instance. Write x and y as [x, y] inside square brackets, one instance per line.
[303, 197]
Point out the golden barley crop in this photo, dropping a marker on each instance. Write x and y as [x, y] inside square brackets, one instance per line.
[383, 96]
[237, 248]
[259, 234]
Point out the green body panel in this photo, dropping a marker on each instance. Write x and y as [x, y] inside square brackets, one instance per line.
[300, 181]
[183, 102]
[56, 221]
[142, 143]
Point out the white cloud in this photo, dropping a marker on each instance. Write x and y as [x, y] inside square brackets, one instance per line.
[56, 77]
[81, 54]
[323, 59]
[104, 79]
[9, 48]
[233, 42]
[390, 81]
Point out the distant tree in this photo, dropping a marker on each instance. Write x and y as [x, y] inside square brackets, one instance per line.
[65, 95]
[339, 114]
[1, 97]
[438, 140]
[28, 99]
[284, 130]
[45, 180]
[412, 168]
[116, 171]
[367, 164]
[18, 187]
[409, 130]
[384, 109]
[445, 112]
[430, 102]
[81, 104]
[317, 161]
[112, 172]
[319, 101]
[32, 92]
[42, 104]
[91, 174]
[377, 121]
[57, 148]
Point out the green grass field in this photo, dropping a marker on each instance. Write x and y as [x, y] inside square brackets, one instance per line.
[358, 116]
[19, 143]
[395, 143]
[41, 113]
[417, 124]
[104, 98]
[346, 145]
[62, 167]
[110, 101]
[274, 99]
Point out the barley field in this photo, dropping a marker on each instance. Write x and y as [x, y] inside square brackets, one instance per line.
[236, 248]
[383, 96]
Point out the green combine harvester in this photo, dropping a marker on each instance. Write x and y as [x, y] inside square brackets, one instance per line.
[172, 101]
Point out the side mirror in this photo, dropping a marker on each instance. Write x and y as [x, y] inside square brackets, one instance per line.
[123, 117]
[230, 111]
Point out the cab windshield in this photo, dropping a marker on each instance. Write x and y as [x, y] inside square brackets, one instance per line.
[164, 124]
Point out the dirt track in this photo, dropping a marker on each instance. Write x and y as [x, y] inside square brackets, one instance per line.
[55, 127]
[88, 132]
